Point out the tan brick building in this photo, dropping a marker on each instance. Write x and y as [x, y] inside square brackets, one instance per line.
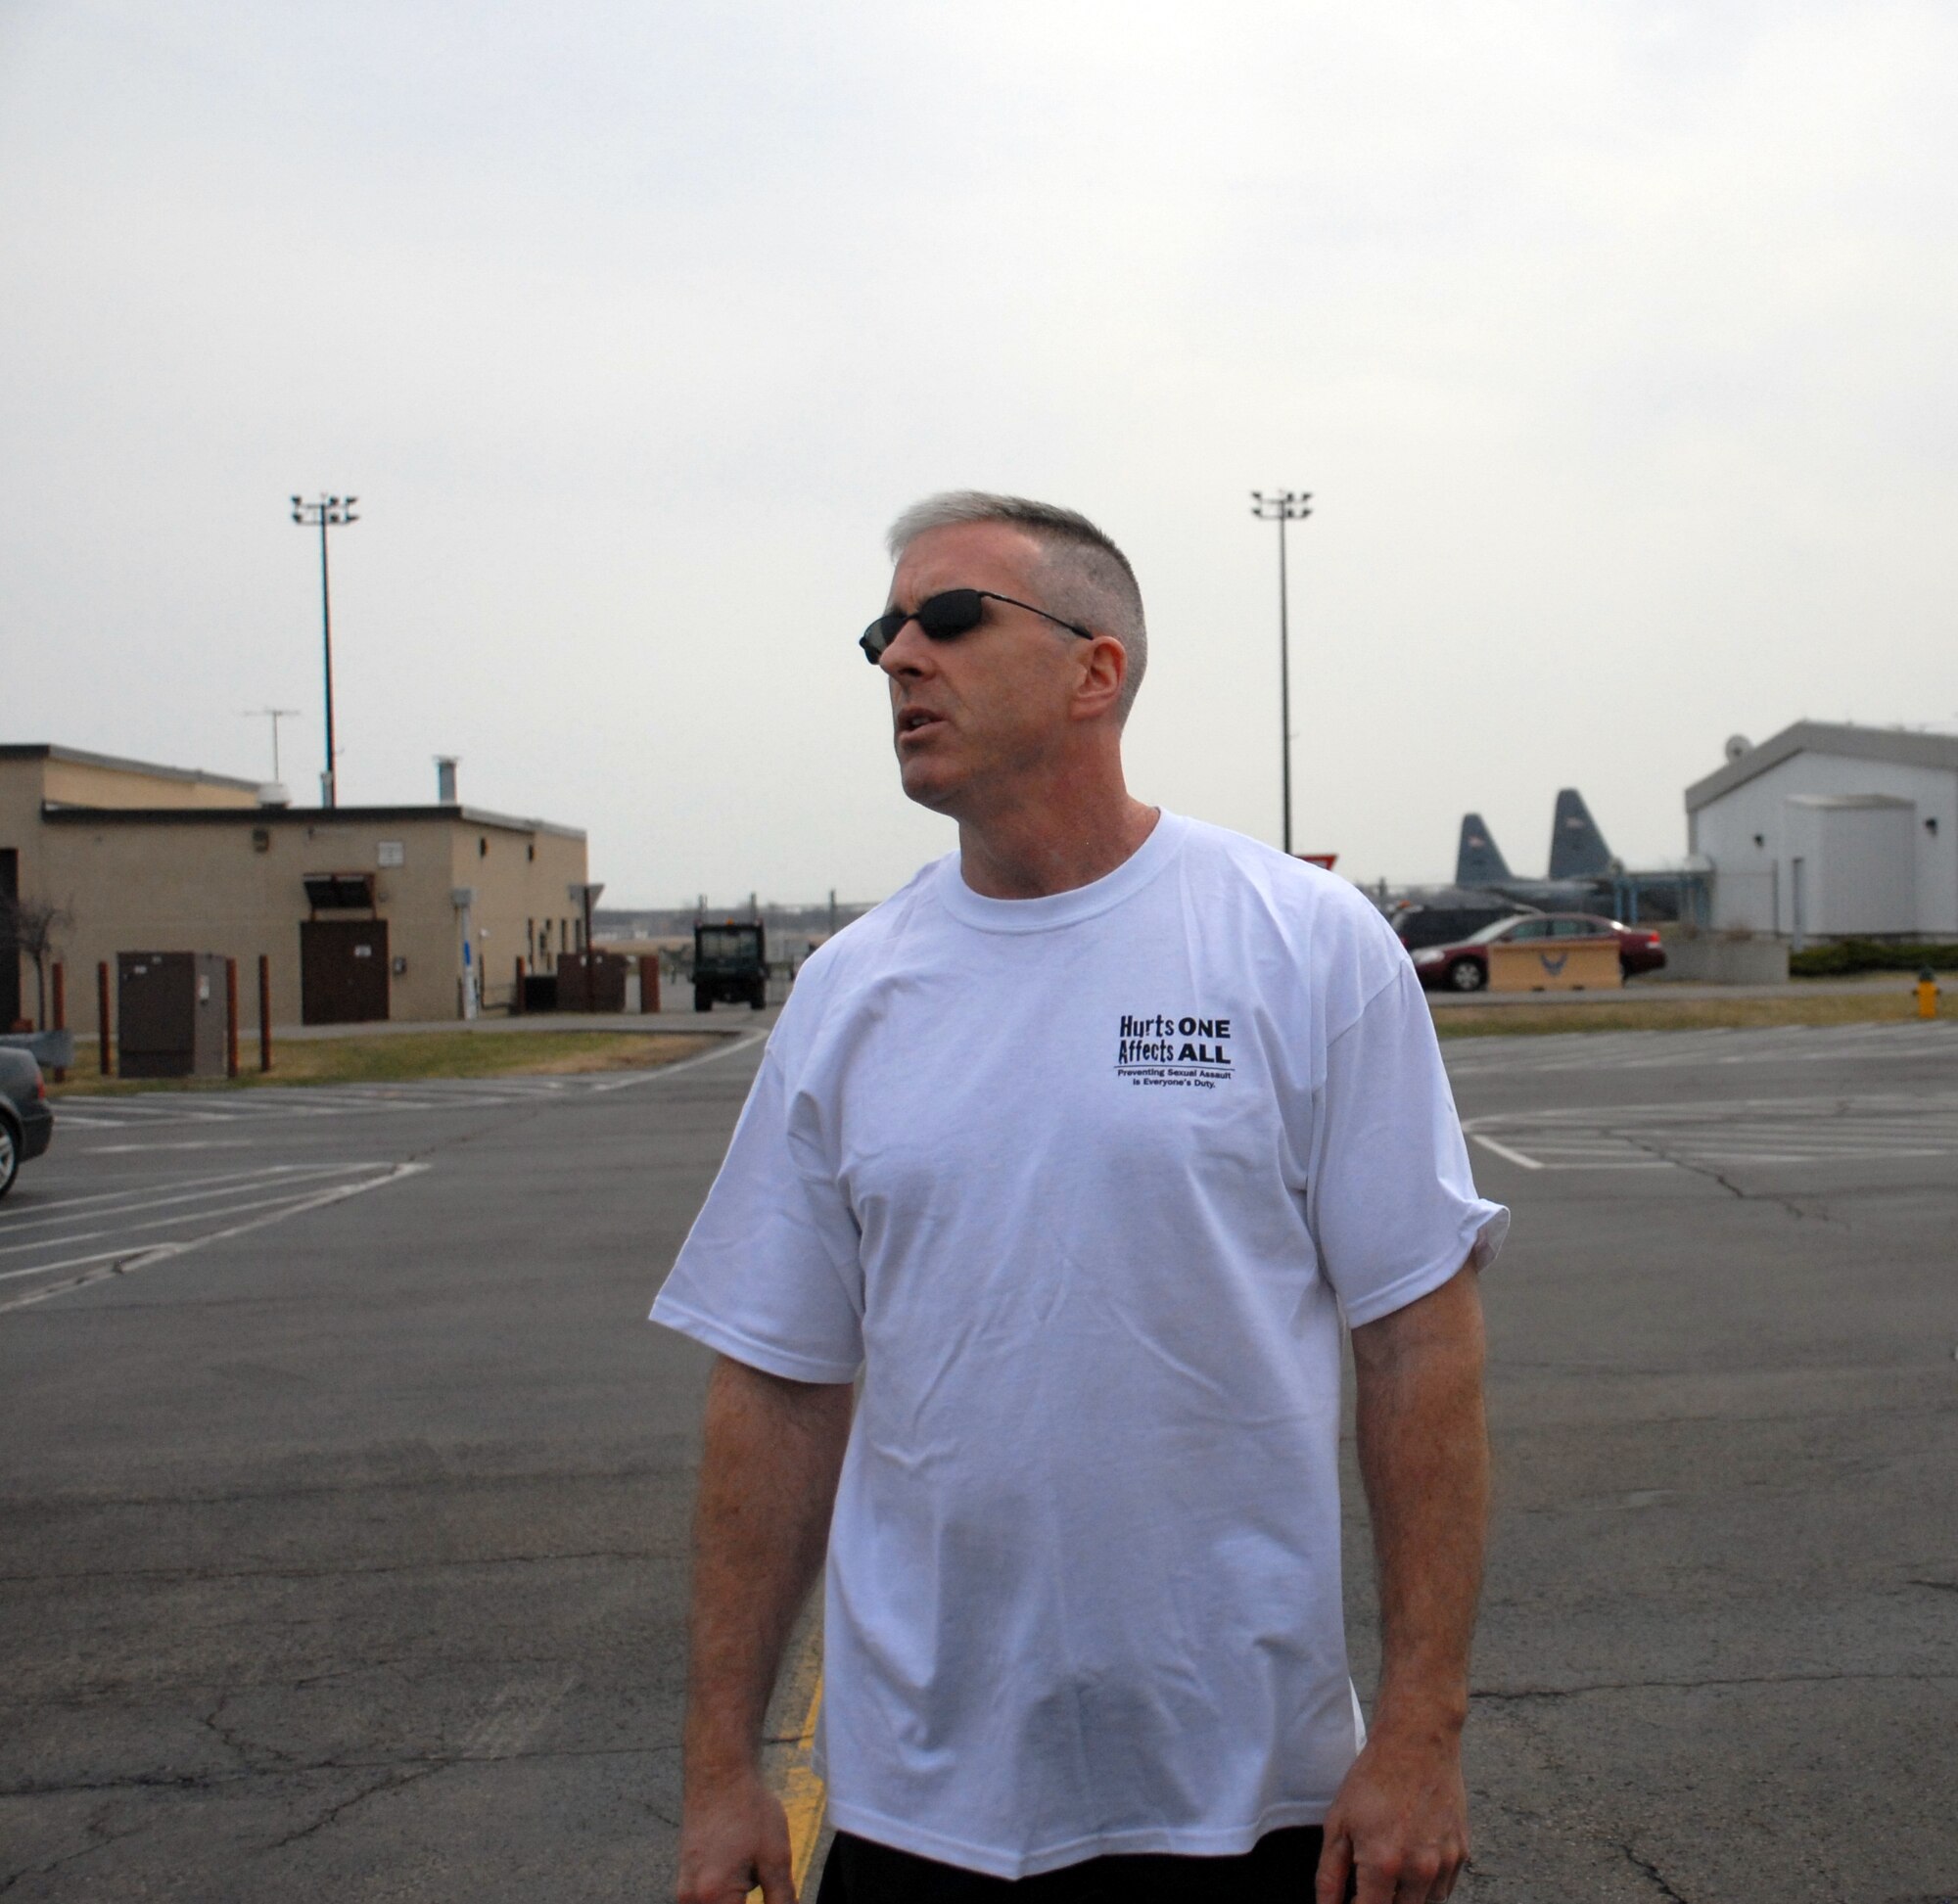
[361, 910]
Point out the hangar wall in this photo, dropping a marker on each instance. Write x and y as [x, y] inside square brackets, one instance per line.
[1886, 865]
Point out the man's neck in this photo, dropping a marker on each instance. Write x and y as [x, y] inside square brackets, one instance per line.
[1052, 842]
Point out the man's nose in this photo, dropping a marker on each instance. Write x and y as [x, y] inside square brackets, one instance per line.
[909, 653]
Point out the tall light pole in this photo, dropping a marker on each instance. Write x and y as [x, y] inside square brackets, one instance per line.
[1284, 506]
[329, 512]
[274, 716]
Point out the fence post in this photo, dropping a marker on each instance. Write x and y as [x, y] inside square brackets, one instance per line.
[102, 1015]
[264, 1013]
[61, 1013]
[649, 982]
[231, 1018]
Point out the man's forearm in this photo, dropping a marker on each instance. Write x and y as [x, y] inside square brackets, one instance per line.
[767, 1480]
[1425, 1458]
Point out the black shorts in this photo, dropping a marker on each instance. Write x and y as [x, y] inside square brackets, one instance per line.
[1278, 1870]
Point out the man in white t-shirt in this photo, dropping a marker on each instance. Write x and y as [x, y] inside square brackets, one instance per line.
[1083, 1154]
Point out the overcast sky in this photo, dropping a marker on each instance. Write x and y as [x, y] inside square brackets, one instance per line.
[1615, 342]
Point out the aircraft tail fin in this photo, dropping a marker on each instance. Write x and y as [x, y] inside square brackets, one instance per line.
[1478, 859]
[1578, 850]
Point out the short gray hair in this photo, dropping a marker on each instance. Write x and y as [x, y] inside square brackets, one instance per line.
[1086, 577]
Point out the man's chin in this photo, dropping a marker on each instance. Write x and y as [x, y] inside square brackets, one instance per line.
[935, 790]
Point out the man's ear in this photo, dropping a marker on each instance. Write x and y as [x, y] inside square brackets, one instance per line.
[1104, 667]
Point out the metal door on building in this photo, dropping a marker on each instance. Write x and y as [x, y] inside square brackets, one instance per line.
[343, 971]
[9, 946]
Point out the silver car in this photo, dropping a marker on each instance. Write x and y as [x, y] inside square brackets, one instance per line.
[26, 1119]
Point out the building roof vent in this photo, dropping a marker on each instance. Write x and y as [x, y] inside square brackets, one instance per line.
[444, 779]
[275, 793]
[1739, 747]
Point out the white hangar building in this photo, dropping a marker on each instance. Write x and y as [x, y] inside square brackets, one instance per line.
[1832, 831]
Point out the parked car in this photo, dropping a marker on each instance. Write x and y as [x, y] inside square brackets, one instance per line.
[26, 1122]
[1464, 966]
[1419, 925]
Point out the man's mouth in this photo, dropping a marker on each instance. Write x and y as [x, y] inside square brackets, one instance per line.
[916, 721]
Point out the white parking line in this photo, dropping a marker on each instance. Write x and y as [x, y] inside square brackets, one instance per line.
[131, 1229]
[1503, 1150]
[95, 1269]
[1638, 1051]
[267, 1102]
[189, 1144]
[144, 1195]
[1754, 1133]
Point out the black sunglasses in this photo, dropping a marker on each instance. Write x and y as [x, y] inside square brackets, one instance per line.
[942, 617]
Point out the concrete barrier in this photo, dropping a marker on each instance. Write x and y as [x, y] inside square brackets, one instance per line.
[1555, 965]
[1721, 959]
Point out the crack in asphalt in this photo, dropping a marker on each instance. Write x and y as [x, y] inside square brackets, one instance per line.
[329, 1573]
[420, 1766]
[554, 1478]
[214, 1723]
[96, 1825]
[1651, 1871]
[1505, 1695]
[334, 1813]
[1653, 1149]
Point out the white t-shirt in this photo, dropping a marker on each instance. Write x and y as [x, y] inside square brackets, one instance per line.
[1083, 1186]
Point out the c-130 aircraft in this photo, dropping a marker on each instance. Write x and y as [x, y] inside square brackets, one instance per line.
[1580, 862]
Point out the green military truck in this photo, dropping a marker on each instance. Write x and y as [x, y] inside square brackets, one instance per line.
[730, 965]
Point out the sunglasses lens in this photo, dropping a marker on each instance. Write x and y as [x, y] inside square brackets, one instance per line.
[951, 613]
[941, 618]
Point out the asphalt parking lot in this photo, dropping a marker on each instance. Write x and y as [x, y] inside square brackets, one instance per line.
[345, 1491]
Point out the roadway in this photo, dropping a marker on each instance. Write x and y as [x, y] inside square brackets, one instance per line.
[345, 1491]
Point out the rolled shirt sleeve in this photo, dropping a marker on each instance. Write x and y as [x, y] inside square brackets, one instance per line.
[1392, 1206]
[770, 1273]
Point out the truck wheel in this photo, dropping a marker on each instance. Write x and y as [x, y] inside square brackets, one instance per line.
[758, 996]
[1465, 975]
[703, 998]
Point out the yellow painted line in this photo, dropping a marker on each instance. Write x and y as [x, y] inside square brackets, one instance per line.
[803, 1793]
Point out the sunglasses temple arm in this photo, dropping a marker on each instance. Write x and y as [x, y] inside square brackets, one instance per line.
[1073, 627]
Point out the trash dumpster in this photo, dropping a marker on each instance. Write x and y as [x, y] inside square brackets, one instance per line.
[169, 1014]
[591, 981]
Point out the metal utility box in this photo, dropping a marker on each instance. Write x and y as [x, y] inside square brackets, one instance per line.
[730, 962]
[590, 981]
[169, 1014]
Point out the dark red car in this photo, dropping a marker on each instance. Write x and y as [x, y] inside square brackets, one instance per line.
[1464, 966]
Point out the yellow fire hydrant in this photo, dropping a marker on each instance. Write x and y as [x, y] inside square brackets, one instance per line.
[1927, 994]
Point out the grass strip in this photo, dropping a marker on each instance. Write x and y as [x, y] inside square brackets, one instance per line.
[410, 1057]
[1877, 1006]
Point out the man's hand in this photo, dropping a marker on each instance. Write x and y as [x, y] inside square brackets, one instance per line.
[768, 1477]
[1400, 1821]
[734, 1835]
[1399, 1825]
